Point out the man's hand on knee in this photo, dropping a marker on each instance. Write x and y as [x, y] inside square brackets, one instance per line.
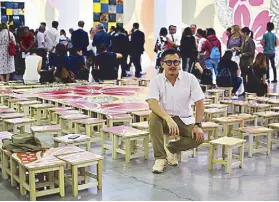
[197, 133]
[173, 128]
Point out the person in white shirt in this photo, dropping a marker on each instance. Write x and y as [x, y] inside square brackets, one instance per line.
[42, 44]
[33, 64]
[54, 35]
[174, 37]
[170, 96]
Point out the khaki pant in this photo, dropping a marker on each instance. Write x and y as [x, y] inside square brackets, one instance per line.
[158, 127]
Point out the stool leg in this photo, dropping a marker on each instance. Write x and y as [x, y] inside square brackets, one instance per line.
[241, 155]
[22, 178]
[87, 130]
[77, 128]
[268, 139]
[127, 150]
[229, 160]
[75, 180]
[103, 142]
[13, 172]
[100, 174]
[211, 157]
[51, 179]
[250, 147]
[32, 186]
[61, 181]
[88, 146]
[38, 116]
[146, 147]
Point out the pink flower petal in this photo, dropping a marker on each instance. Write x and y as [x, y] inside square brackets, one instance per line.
[232, 3]
[256, 2]
[259, 25]
[242, 16]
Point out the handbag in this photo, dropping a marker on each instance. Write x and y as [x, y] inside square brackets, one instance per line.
[11, 46]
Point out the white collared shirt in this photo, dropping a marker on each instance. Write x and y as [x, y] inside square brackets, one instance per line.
[175, 38]
[53, 35]
[176, 100]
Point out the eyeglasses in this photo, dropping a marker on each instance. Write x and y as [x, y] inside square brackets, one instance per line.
[170, 62]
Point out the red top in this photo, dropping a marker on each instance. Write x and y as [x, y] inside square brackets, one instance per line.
[207, 46]
[26, 41]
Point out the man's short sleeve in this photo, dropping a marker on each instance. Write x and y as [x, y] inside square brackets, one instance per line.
[153, 91]
[196, 91]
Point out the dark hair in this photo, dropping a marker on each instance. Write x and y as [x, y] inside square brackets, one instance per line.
[193, 25]
[32, 31]
[227, 56]
[33, 50]
[260, 61]
[247, 31]
[43, 23]
[270, 26]
[3, 26]
[201, 32]
[136, 25]
[63, 31]
[170, 52]
[163, 31]
[80, 23]
[61, 50]
[55, 24]
[12, 28]
[229, 29]
[210, 31]
[171, 26]
[187, 31]
[113, 28]
[103, 48]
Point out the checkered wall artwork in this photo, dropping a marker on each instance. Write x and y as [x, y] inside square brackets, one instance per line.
[12, 13]
[108, 12]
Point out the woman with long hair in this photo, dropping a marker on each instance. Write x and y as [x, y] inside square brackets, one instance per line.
[61, 63]
[247, 52]
[235, 40]
[188, 49]
[256, 77]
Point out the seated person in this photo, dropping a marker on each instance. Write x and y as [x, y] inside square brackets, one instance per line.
[229, 75]
[34, 72]
[77, 65]
[256, 77]
[106, 65]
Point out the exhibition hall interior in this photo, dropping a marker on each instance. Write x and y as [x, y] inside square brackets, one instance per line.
[139, 100]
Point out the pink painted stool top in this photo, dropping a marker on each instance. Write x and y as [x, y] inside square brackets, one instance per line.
[68, 112]
[125, 131]
[119, 116]
[46, 128]
[79, 158]
[11, 115]
[19, 120]
[63, 151]
[29, 102]
[74, 117]
[60, 108]
[42, 106]
[5, 135]
[90, 121]
[7, 111]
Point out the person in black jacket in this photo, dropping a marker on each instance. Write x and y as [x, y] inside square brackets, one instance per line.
[80, 38]
[120, 43]
[101, 38]
[188, 50]
[137, 48]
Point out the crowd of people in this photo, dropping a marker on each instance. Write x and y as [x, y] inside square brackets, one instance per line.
[201, 54]
[49, 55]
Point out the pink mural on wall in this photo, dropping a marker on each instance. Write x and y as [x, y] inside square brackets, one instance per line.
[242, 17]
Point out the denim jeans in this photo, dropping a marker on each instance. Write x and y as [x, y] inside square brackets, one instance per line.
[236, 84]
[271, 57]
[212, 65]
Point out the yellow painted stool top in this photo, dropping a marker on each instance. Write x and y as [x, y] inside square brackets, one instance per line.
[227, 141]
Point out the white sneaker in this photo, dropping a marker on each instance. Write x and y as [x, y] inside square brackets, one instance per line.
[159, 166]
[235, 97]
[171, 158]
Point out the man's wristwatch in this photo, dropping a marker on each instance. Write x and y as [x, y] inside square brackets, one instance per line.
[198, 124]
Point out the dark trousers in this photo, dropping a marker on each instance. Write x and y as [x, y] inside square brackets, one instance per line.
[137, 62]
[271, 58]
[236, 84]
[187, 64]
[123, 63]
[43, 53]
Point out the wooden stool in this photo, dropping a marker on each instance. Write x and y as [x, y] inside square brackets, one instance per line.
[255, 107]
[128, 134]
[63, 150]
[228, 143]
[23, 107]
[3, 111]
[18, 122]
[246, 119]
[227, 92]
[212, 129]
[81, 140]
[140, 116]
[46, 130]
[11, 116]
[4, 159]
[268, 117]
[141, 125]
[66, 122]
[126, 119]
[249, 95]
[90, 125]
[241, 105]
[206, 87]
[65, 113]
[257, 132]
[83, 161]
[39, 112]
[214, 112]
[12, 102]
[51, 113]
[273, 95]
[217, 106]
[127, 82]
[217, 93]
[49, 165]
[4, 98]
[143, 81]
[274, 138]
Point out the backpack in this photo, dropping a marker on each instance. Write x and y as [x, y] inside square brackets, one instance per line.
[215, 52]
[206, 77]
[224, 79]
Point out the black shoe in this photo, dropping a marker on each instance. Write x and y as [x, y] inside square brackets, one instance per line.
[274, 81]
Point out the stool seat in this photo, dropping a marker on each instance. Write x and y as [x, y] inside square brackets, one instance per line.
[258, 105]
[255, 129]
[274, 125]
[81, 157]
[67, 112]
[3, 111]
[74, 117]
[60, 109]
[267, 114]
[5, 135]
[141, 125]
[118, 116]
[11, 115]
[209, 125]
[226, 101]
[243, 116]
[213, 110]
[218, 106]
[42, 106]
[64, 150]
[65, 139]
[32, 102]
[228, 119]
[141, 113]
[125, 131]
[240, 103]
[49, 128]
[19, 120]
[227, 141]
[90, 121]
